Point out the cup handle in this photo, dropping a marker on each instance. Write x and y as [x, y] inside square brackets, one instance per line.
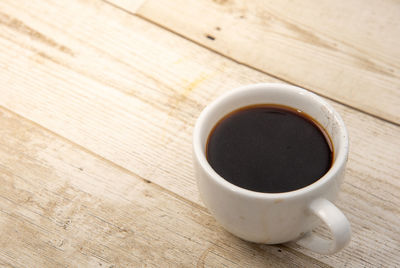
[336, 222]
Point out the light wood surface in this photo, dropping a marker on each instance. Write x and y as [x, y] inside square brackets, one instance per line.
[97, 110]
[348, 51]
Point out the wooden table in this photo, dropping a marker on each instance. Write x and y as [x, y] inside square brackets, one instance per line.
[97, 106]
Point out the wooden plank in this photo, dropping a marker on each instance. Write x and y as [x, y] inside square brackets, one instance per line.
[349, 52]
[60, 206]
[130, 92]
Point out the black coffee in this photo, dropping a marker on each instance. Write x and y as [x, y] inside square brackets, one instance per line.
[269, 148]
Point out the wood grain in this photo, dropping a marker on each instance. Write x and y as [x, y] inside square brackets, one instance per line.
[347, 52]
[129, 92]
[131, 5]
[63, 207]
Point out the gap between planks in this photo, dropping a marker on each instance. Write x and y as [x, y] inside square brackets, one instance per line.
[179, 198]
[161, 188]
[210, 53]
[240, 62]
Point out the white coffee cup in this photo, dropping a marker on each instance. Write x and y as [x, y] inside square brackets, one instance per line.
[273, 218]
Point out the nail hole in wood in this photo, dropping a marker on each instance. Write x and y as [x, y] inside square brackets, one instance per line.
[210, 37]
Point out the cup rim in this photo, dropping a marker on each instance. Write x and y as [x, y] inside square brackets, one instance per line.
[199, 152]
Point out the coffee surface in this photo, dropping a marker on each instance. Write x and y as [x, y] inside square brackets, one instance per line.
[269, 148]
